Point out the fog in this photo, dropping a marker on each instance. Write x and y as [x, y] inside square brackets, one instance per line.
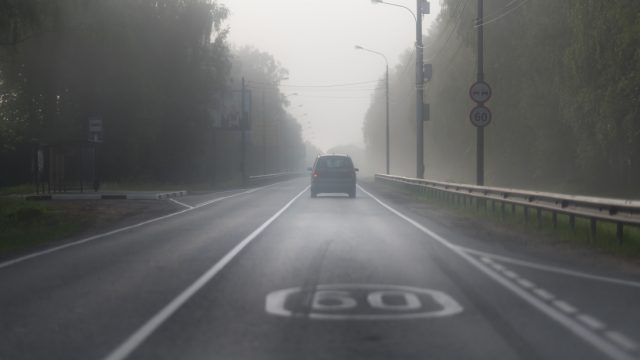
[158, 77]
[315, 41]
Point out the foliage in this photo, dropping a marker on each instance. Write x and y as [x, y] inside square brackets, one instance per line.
[153, 70]
[566, 106]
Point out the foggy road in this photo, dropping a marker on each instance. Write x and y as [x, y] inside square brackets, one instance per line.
[270, 273]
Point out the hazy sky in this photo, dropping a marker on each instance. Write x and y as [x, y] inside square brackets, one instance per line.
[314, 40]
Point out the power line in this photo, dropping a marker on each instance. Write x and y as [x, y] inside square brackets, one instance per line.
[503, 14]
[463, 6]
[318, 85]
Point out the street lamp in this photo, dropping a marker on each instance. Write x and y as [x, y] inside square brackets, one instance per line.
[422, 7]
[358, 47]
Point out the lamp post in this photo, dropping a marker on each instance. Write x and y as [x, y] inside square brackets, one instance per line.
[358, 47]
[422, 7]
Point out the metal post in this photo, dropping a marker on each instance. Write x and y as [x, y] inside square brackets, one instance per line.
[387, 109]
[264, 135]
[419, 95]
[243, 149]
[480, 129]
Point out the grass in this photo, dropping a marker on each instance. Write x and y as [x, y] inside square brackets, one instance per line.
[151, 186]
[26, 223]
[604, 240]
[17, 190]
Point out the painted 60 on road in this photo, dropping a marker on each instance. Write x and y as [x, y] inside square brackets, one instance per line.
[361, 302]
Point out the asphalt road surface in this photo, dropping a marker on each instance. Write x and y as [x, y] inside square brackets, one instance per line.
[270, 273]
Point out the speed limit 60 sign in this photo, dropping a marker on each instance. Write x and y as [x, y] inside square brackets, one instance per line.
[480, 116]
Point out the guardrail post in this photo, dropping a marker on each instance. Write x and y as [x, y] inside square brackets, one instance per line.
[539, 217]
[593, 227]
[619, 232]
[554, 219]
[572, 222]
[502, 210]
[513, 209]
[526, 214]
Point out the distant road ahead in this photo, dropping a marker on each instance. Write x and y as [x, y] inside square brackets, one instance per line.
[270, 273]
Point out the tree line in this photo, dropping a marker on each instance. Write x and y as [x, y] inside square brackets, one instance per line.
[566, 112]
[154, 71]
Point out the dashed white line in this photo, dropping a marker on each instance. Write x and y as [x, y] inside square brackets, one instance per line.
[622, 340]
[591, 321]
[553, 269]
[613, 350]
[565, 306]
[510, 274]
[497, 266]
[526, 283]
[544, 294]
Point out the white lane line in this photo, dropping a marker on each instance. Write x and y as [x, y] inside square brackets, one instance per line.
[526, 283]
[138, 337]
[497, 267]
[510, 274]
[591, 321]
[622, 340]
[565, 306]
[181, 203]
[550, 268]
[116, 231]
[544, 294]
[569, 323]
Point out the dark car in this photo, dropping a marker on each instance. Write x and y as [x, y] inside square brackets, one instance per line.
[333, 174]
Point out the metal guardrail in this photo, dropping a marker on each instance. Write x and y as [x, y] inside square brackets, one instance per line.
[617, 211]
[269, 178]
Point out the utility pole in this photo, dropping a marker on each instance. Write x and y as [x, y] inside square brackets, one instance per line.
[387, 109]
[419, 92]
[264, 135]
[243, 125]
[480, 78]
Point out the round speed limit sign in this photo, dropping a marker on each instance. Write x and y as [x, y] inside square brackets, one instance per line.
[480, 116]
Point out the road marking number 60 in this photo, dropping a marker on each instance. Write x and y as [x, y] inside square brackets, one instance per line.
[361, 302]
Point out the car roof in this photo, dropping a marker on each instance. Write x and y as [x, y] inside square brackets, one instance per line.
[326, 155]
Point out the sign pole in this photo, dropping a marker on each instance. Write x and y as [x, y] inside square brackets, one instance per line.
[243, 150]
[480, 129]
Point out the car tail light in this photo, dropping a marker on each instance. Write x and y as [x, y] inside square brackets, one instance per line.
[316, 174]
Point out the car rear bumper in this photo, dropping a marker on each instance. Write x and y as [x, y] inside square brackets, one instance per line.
[333, 186]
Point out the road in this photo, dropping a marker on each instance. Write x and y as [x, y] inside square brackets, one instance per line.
[270, 273]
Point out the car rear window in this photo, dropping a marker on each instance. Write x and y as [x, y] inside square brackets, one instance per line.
[334, 162]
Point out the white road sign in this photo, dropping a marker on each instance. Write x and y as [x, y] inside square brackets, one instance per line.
[480, 92]
[480, 116]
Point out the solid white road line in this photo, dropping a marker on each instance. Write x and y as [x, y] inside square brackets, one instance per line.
[138, 337]
[119, 230]
[556, 315]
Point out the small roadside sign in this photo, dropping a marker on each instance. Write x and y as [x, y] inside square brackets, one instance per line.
[480, 116]
[95, 129]
[480, 92]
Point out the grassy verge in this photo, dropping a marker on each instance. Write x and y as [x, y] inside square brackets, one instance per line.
[29, 223]
[151, 186]
[514, 217]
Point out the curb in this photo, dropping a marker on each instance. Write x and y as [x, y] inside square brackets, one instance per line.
[123, 196]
